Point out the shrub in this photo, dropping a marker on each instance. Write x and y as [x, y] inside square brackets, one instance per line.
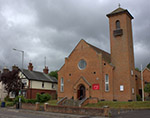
[17, 99]
[42, 97]
[8, 99]
[10, 103]
[32, 101]
[138, 97]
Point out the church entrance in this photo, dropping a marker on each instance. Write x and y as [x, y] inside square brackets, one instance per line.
[81, 92]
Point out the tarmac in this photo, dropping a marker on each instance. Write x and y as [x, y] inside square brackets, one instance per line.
[52, 115]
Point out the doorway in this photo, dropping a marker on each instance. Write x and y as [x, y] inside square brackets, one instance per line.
[81, 92]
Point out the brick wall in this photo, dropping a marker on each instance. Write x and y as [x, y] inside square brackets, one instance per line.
[77, 110]
[31, 93]
[146, 75]
[29, 106]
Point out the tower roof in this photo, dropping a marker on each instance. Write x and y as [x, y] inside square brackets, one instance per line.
[120, 11]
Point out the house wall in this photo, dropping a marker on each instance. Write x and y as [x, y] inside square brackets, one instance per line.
[3, 92]
[31, 93]
[38, 85]
[146, 75]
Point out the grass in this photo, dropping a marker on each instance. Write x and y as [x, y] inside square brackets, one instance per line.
[52, 102]
[127, 105]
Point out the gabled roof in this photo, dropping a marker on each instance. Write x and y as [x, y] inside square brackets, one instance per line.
[105, 55]
[39, 76]
[119, 11]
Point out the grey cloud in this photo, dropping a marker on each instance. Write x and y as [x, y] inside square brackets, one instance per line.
[52, 28]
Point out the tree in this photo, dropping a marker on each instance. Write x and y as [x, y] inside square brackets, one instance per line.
[148, 66]
[54, 74]
[11, 81]
[147, 89]
[137, 69]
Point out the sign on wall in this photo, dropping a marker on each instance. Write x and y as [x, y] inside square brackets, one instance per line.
[95, 86]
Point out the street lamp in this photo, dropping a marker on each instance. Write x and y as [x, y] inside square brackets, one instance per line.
[22, 71]
[142, 83]
[22, 56]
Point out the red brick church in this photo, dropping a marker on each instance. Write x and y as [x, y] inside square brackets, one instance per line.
[90, 72]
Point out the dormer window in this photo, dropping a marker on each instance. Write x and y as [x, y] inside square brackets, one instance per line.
[117, 24]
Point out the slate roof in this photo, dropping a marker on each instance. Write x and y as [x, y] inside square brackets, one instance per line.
[39, 76]
[118, 11]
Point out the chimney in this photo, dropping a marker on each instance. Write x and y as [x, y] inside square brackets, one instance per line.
[45, 70]
[14, 67]
[30, 67]
[5, 70]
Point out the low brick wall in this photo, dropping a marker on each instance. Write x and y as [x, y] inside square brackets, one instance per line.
[90, 100]
[77, 110]
[31, 106]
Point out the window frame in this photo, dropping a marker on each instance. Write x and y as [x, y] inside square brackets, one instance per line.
[62, 84]
[117, 24]
[106, 82]
[42, 84]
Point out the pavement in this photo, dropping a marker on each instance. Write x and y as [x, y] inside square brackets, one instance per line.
[21, 113]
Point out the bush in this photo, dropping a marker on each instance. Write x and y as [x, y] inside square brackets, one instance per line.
[32, 101]
[10, 103]
[42, 97]
[17, 99]
[7, 99]
[138, 97]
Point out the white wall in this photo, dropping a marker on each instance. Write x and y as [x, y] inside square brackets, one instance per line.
[38, 85]
[3, 92]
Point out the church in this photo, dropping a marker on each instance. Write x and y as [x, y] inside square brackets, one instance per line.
[90, 72]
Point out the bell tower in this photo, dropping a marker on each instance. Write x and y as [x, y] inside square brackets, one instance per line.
[122, 56]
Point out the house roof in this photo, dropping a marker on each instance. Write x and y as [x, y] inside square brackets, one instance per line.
[39, 76]
[118, 11]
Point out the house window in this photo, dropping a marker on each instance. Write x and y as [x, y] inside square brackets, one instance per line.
[121, 88]
[106, 82]
[117, 24]
[42, 84]
[132, 90]
[53, 86]
[62, 85]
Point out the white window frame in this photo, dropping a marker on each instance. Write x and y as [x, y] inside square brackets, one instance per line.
[132, 90]
[121, 87]
[62, 84]
[106, 82]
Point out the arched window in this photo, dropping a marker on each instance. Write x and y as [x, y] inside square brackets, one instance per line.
[117, 24]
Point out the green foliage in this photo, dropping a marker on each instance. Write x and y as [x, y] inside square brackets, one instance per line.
[54, 74]
[147, 88]
[138, 97]
[148, 66]
[42, 97]
[17, 99]
[10, 103]
[32, 101]
[8, 99]
[137, 69]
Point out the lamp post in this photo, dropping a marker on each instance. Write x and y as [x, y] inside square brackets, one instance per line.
[22, 71]
[142, 83]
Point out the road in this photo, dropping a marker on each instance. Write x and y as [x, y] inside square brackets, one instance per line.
[13, 113]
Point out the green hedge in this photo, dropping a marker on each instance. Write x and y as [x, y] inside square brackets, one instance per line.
[42, 97]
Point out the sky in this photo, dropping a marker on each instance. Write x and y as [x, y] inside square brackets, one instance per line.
[52, 28]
